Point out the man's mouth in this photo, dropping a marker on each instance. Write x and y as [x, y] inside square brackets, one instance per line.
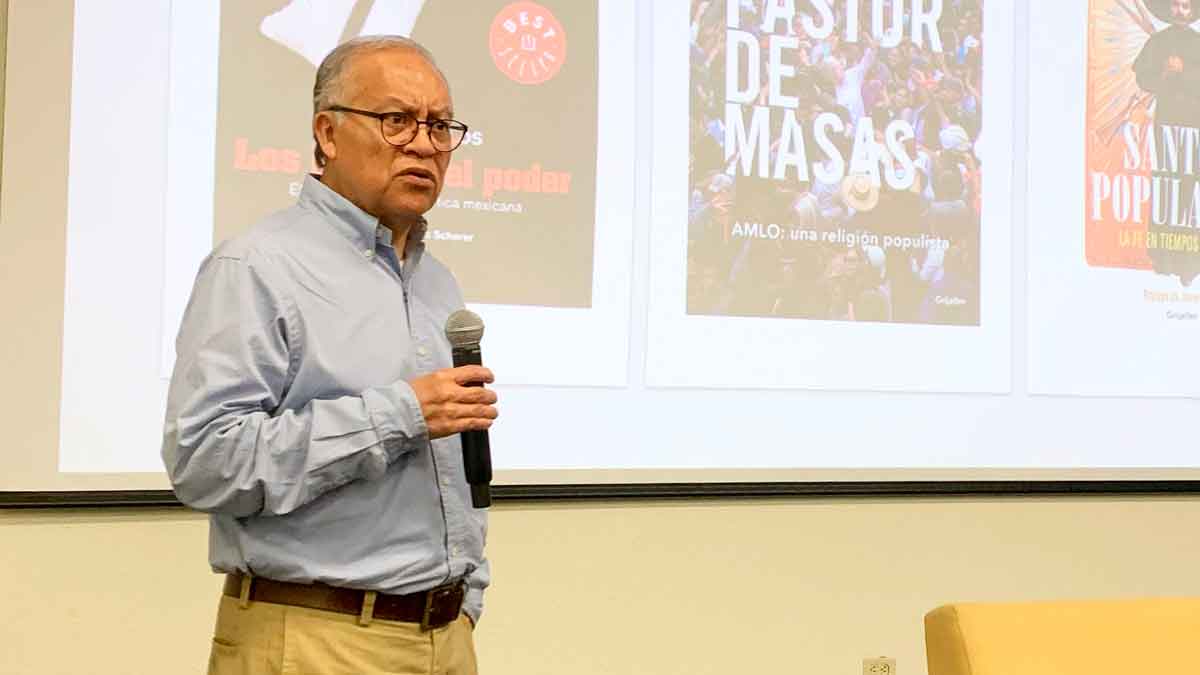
[418, 175]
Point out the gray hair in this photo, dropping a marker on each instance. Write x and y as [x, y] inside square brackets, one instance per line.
[329, 85]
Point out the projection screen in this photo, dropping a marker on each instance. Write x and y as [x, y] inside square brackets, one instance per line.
[914, 243]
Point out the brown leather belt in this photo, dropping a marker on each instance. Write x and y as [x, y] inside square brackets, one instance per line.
[432, 609]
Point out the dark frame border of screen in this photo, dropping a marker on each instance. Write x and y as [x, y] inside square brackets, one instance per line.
[674, 491]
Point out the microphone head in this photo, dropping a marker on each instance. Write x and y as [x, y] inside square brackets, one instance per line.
[464, 329]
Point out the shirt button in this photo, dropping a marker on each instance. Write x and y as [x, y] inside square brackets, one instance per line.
[455, 551]
[421, 351]
[446, 482]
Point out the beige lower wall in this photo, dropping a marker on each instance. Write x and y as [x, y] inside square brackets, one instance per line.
[683, 588]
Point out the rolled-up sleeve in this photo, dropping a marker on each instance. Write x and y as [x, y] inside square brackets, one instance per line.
[477, 582]
[226, 445]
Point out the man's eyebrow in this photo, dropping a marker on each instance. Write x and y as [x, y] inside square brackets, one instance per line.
[392, 104]
[396, 105]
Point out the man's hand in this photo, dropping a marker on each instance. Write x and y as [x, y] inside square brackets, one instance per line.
[450, 406]
[1175, 64]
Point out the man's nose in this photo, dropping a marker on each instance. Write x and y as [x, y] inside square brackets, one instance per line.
[422, 144]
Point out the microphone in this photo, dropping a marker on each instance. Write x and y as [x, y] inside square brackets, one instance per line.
[464, 330]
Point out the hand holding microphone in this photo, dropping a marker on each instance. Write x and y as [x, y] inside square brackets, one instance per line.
[455, 401]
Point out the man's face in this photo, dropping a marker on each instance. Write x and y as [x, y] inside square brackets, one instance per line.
[395, 184]
[1181, 11]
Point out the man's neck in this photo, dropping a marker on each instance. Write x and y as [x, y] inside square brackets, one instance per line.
[400, 227]
[399, 237]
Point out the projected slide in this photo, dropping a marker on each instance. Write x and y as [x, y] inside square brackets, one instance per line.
[524, 179]
[1115, 256]
[535, 220]
[812, 195]
[838, 176]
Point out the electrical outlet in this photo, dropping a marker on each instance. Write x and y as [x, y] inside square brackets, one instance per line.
[879, 665]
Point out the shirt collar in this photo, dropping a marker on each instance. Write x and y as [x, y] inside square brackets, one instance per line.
[361, 228]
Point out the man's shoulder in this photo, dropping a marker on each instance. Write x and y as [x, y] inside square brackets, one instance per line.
[273, 234]
[433, 266]
[437, 276]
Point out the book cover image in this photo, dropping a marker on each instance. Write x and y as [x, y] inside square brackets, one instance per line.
[516, 217]
[834, 171]
[1143, 137]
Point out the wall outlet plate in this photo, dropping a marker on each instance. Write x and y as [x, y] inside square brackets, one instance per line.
[879, 665]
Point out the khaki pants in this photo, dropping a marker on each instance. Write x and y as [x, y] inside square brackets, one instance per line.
[269, 639]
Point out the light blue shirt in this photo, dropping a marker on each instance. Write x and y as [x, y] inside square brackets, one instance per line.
[290, 418]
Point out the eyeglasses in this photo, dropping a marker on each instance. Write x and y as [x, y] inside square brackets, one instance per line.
[400, 128]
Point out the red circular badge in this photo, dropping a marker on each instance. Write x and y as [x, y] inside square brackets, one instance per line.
[528, 44]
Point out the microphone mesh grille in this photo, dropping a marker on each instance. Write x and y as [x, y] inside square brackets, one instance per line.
[464, 328]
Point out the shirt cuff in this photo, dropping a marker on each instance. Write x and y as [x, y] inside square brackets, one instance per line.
[396, 415]
[473, 604]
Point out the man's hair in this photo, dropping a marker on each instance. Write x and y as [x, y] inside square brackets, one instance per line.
[329, 85]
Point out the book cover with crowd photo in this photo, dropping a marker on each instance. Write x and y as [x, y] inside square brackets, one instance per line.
[516, 218]
[1143, 137]
[833, 169]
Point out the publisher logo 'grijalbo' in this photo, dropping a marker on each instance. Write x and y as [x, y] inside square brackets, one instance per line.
[527, 43]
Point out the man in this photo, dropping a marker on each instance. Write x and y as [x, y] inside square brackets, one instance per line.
[1169, 67]
[849, 78]
[950, 275]
[313, 411]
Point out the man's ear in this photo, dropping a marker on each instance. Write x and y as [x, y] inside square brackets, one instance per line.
[323, 127]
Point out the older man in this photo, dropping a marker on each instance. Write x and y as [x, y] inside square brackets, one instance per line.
[313, 411]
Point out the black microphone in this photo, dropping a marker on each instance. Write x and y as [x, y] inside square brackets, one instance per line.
[464, 329]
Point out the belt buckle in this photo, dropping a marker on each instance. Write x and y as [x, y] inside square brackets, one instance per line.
[429, 619]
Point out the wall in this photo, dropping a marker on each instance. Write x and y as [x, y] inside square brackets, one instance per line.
[682, 588]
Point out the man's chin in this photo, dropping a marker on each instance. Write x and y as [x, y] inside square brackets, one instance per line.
[412, 203]
[409, 210]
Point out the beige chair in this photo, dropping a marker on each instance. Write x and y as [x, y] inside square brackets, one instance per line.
[1097, 637]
